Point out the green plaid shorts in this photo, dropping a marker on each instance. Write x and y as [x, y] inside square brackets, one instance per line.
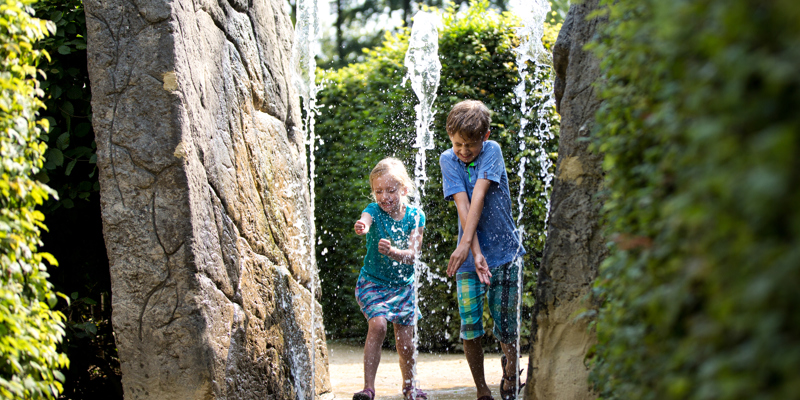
[502, 295]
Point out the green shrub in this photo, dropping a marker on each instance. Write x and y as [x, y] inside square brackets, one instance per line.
[366, 113]
[29, 329]
[702, 156]
[70, 161]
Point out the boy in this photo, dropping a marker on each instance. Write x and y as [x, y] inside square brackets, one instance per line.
[474, 176]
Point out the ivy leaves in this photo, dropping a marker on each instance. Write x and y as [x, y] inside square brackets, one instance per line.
[29, 329]
[70, 165]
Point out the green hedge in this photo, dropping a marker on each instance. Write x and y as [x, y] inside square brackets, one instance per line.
[70, 161]
[367, 114]
[29, 329]
[700, 131]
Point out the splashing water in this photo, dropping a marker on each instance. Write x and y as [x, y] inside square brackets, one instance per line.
[306, 46]
[533, 14]
[531, 49]
[424, 70]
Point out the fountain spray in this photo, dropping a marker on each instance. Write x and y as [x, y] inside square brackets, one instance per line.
[533, 14]
[424, 70]
[306, 46]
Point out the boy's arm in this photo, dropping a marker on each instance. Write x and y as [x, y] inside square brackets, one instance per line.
[462, 206]
[470, 213]
[403, 256]
[362, 225]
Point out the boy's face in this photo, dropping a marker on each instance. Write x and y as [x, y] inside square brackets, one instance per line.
[467, 150]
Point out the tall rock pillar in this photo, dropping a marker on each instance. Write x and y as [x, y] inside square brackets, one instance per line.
[574, 247]
[205, 199]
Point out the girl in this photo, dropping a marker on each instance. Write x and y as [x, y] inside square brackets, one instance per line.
[384, 288]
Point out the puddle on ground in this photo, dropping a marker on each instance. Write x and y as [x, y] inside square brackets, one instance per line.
[442, 376]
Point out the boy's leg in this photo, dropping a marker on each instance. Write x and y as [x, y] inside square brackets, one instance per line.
[473, 349]
[372, 350]
[510, 351]
[504, 307]
[404, 341]
[470, 308]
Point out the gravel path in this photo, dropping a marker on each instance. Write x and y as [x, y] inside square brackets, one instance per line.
[442, 376]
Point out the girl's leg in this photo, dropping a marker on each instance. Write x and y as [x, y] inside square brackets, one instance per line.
[372, 350]
[404, 340]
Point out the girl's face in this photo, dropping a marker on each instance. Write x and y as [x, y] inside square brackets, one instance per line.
[389, 193]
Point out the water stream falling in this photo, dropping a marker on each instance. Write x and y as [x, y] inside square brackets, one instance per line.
[424, 70]
[306, 46]
[533, 14]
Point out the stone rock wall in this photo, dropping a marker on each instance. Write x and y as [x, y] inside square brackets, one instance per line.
[205, 199]
[574, 247]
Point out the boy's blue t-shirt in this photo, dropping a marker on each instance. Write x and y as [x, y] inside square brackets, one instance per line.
[496, 229]
[379, 268]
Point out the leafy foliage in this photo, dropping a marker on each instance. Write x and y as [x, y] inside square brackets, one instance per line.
[367, 113]
[558, 11]
[702, 156]
[363, 24]
[70, 159]
[29, 329]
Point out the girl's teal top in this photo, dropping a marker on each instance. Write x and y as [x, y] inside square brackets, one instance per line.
[379, 268]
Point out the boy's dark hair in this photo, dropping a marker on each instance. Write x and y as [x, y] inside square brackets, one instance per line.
[470, 119]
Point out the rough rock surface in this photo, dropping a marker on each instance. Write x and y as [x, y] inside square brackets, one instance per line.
[574, 247]
[204, 199]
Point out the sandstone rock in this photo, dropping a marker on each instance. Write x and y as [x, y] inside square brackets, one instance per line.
[574, 247]
[205, 199]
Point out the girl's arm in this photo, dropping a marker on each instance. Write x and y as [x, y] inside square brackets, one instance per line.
[362, 225]
[403, 256]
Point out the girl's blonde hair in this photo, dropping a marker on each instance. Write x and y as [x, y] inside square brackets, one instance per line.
[395, 167]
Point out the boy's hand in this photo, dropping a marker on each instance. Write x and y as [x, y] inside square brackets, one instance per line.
[456, 259]
[384, 247]
[482, 269]
[361, 228]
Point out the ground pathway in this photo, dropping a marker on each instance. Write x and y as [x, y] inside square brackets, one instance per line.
[442, 376]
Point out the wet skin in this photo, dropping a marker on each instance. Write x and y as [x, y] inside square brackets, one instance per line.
[469, 212]
[467, 150]
[388, 193]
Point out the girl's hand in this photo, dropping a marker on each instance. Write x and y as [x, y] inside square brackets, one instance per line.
[385, 247]
[361, 228]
